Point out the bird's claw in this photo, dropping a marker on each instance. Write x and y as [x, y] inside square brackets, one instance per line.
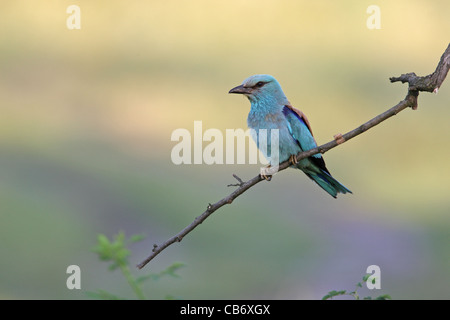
[293, 159]
[264, 174]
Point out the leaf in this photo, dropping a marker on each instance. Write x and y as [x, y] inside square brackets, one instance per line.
[103, 247]
[102, 240]
[384, 297]
[326, 297]
[173, 268]
[151, 276]
[103, 295]
[136, 238]
[121, 254]
[114, 251]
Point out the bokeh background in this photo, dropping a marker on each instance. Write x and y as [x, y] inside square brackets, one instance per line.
[85, 143]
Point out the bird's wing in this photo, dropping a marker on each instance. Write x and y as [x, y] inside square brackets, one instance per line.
[300, 115]
[299, 127]
[301, 132]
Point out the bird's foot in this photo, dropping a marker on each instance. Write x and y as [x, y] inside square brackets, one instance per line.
[293, 159]
[264, 173]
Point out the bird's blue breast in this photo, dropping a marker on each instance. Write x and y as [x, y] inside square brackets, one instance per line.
[261, 117]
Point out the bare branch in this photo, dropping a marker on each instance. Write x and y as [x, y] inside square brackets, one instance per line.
[236, 184]
[429, 83]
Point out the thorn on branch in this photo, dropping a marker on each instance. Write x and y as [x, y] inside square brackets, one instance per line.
[412, 98]
[339, 138]
[155, 246]
[236, 184]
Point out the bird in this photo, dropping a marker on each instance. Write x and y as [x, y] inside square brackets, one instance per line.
[270, 109]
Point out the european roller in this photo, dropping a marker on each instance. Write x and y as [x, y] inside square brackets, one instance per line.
[270, 109]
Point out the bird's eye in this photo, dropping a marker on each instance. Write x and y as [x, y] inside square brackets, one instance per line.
[259, 84]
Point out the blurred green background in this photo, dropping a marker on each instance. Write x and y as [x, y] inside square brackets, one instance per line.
[85, 127]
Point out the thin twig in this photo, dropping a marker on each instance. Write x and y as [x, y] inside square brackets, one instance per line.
[236, 184]
[430, 83]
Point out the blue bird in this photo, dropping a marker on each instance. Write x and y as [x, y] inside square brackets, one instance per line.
[270, 109]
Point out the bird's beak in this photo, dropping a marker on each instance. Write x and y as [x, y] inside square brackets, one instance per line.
[241, 90]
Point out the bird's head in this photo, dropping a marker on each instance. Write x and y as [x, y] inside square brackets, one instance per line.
[261, 87]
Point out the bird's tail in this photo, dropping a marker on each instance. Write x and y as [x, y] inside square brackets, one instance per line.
[328, 183]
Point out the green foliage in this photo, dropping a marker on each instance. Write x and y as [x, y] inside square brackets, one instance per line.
[169, 271]
[116, 253]
[330, 295]
[104, 295]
